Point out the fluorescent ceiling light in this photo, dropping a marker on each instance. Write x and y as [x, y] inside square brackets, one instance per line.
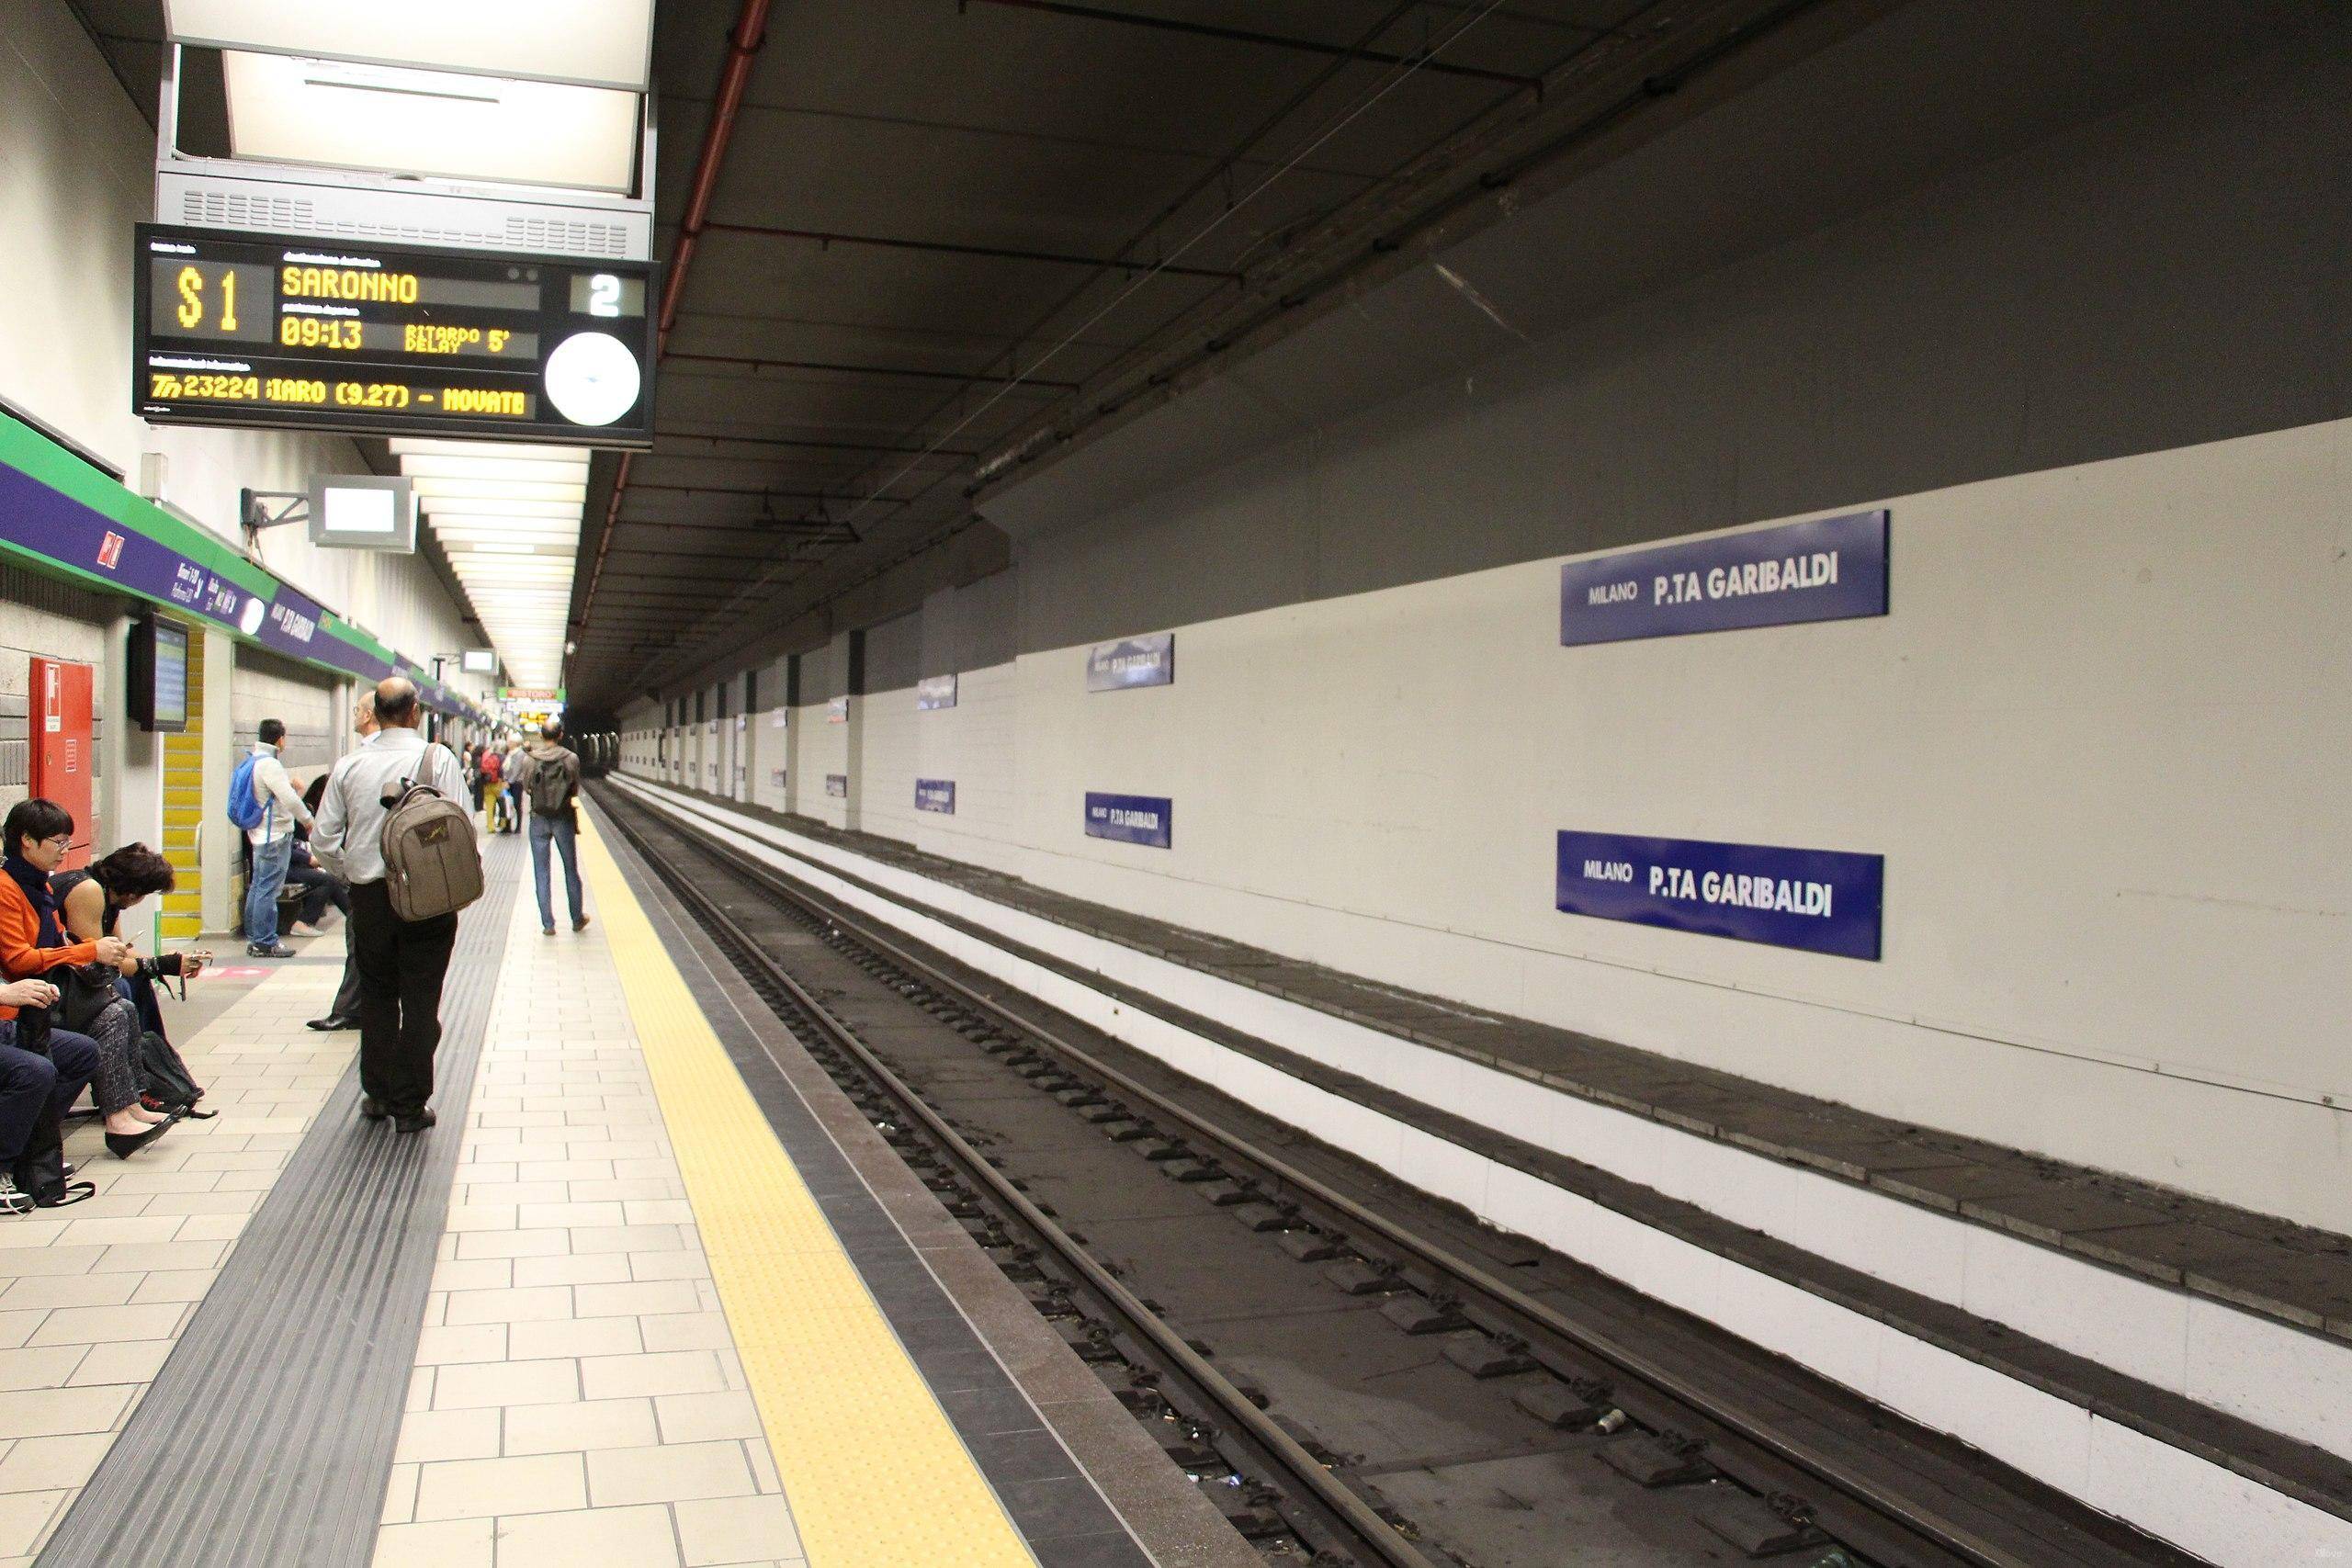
[421, 446]
[289, 109]
[460, 507]
[478, 531]
[478, 467]
[601, 42]
[503, 490]
[509, 520]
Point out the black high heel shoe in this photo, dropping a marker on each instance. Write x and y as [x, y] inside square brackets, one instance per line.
[122, 1145]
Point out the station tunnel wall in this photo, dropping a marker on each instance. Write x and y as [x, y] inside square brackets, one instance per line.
[2101, 738]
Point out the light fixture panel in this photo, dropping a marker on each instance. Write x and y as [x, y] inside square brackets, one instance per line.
[602, 43]
[324, 113]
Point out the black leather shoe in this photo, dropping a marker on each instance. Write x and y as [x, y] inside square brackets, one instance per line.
[415, 1121]
[122, 1145]
[331, 1022]
[371, 1110]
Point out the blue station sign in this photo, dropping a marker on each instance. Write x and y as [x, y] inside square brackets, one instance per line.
[1831, 568]
[1132, 662]
[1820, 900]
[1130, 818]
[935, 795]
[934, 691]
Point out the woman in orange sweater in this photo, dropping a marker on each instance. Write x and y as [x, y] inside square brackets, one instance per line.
[36, 835]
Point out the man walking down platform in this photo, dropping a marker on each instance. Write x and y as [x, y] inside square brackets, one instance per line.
[549, 778]
[401, 962]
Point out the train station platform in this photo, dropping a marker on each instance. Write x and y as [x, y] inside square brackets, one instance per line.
[652, 1293]
[2145, 1349]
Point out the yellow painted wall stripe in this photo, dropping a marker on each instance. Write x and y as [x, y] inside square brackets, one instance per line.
[872, 1470]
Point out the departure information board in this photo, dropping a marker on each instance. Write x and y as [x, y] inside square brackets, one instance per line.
[259, 329]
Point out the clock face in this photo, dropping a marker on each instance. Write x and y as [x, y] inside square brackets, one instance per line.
[592, 378]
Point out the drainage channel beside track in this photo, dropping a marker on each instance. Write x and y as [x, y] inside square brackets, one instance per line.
[1353, 1372]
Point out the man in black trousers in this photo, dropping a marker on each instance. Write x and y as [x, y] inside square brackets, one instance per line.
[401, 962]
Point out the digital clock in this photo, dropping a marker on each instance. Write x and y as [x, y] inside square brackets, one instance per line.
[288, 331]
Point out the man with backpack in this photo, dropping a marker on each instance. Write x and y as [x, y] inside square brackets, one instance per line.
[549, 776]
[393, 823]
[263, 802]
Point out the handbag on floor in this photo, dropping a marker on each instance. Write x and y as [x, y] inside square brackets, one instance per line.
[164, 1078]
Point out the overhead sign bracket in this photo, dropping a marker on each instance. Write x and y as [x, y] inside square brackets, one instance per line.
[253, 506]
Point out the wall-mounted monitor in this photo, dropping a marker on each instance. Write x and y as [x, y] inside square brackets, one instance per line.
[480, 661]
[157, 696]
[363, 512]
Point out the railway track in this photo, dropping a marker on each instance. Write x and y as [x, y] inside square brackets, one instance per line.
[1393, 1385]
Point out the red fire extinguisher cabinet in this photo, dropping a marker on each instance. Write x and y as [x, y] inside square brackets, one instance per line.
[61, 755]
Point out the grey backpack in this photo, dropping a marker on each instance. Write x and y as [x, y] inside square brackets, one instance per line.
[432, 864]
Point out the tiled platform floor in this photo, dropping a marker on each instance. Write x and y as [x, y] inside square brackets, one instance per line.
[577, 1400]
[577, 1397]
[93, 1297]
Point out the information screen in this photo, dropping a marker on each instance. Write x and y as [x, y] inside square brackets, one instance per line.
[257, 330]
[157, 692]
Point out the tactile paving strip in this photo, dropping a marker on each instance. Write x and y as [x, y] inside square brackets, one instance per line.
[268, 1437]
[873, 1470]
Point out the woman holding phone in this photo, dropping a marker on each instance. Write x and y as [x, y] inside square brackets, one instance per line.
[94, 901]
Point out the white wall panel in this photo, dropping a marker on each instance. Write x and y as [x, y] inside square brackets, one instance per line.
[974, 744]
[305, 701]
[2103, 739]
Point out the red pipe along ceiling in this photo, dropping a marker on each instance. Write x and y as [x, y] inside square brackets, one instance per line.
[751, 32]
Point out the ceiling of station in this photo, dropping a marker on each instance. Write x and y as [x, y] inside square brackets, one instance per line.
[938, 222]
[941, 224]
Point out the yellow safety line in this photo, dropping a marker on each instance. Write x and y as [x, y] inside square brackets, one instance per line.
[872, 1471]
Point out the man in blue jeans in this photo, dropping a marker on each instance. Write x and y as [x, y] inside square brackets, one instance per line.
[273, 843]
[548, 777]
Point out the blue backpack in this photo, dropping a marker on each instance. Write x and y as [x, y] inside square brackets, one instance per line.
[244, 809]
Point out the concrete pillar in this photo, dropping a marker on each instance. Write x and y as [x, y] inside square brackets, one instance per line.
[854, 742]
[794, 781]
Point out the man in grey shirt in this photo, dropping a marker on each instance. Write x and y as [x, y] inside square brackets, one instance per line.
[401, 962]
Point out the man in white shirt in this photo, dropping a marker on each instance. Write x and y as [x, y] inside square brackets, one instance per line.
[273, 843]
[401, 962]
[345, 1012]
